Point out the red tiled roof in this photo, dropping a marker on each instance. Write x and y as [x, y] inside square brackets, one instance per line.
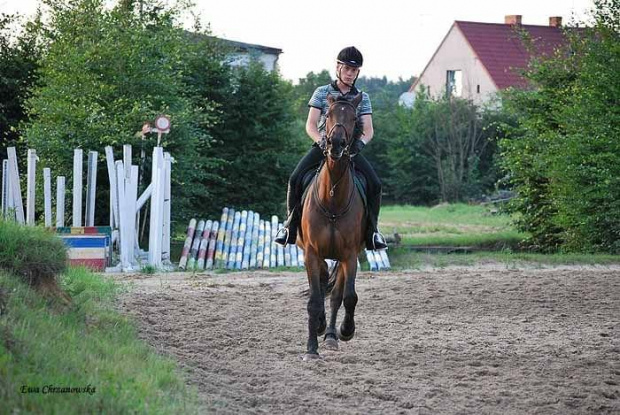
[502, 52]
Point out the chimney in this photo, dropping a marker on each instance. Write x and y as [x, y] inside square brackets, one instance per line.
[513, 19]
[555, 21]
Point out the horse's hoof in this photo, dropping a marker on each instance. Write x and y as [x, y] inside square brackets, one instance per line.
[330, 344]
[311, 356]
[345, 338]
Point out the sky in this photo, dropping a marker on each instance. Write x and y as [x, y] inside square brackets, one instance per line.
[396, 37]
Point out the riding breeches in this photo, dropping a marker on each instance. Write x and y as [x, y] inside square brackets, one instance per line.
[311, 161]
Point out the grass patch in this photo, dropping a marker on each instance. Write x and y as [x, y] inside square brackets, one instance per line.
[451, 225]
[87, 345]
[402, 259]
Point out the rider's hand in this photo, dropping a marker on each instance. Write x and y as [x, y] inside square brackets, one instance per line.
[357, 147]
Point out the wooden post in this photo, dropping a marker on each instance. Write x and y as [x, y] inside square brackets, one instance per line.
[157, 207]
[31, 186]
[91, 188]
[109, 155]
[47, 196]
[16, 190]
[77, 187]
[165, 245]
[60, 201]
[5, 189]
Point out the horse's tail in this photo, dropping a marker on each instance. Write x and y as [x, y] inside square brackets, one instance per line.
[333, 275]
[331, 281]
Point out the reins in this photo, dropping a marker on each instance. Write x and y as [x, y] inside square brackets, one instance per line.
[349, 170]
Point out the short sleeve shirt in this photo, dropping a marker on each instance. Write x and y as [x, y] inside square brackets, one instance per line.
[319, 100]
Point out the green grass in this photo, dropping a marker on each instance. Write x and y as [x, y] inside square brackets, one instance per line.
[87, 344]
[450, 225]
[402, 259]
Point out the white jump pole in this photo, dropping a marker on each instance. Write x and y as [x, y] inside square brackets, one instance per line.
[77, 187]
[16, 190]
[31, 186]
[114, 209]
[47, 196]
[4, 206]
[131, 194]
[91, 188]
[120, 197]
[60, 201]
[165, 248]
[157, 201]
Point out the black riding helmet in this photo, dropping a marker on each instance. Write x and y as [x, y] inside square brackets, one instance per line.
[350, 56]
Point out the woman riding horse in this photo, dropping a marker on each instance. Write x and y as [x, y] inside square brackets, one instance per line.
[348, 66]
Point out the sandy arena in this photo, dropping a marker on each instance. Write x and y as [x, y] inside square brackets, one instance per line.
[489, 340]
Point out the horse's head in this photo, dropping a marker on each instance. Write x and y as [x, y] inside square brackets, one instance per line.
[340, 124]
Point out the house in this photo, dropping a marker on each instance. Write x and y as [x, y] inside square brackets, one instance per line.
[476, 60]
[242, 53]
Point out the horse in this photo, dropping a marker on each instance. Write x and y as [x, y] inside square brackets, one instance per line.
[332, 227]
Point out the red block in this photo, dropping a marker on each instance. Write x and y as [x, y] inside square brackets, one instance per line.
[93, 264]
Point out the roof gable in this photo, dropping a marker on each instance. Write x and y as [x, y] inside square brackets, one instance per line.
[502, 52]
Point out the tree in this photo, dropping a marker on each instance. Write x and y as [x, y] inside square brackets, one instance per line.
[257, 141]
[106, 72]
[19, 60]
[564, 157]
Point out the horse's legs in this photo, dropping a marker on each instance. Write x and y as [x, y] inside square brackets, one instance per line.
[324, 275]
[347, 327]
[331, 339]
[316, 303]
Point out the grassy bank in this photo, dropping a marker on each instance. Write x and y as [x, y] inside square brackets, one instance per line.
[402, 259]
[86, 345]
[450, 225]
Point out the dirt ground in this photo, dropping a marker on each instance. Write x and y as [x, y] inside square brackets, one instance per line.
[446, 341]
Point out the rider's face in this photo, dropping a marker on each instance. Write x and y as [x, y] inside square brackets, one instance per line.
[348, 73]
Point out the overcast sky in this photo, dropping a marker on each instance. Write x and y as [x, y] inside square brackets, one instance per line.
[397, 37]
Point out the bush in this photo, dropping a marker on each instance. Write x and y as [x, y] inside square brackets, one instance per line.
[32, 253]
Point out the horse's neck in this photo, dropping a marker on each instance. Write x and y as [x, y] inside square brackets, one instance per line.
[335, 177]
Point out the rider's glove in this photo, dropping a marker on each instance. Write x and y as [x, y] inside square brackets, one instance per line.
[323, 143]
[357, 147]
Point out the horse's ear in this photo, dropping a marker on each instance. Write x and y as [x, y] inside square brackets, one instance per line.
[330, 99]
[356, 101]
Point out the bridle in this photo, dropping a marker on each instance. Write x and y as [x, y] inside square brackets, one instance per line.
[324, 210]
[330, 133]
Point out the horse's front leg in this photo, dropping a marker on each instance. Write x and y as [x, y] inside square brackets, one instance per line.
[347, 327]
[316, 304]
[331, 337]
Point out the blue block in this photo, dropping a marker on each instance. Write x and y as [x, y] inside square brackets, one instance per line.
[85, 241]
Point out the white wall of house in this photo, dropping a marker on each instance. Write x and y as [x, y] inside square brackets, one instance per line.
[268, 61]
[456, 54]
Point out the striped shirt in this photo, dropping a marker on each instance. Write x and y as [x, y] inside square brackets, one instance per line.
[319, 101]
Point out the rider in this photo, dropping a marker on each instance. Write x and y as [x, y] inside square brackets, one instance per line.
[348, 64]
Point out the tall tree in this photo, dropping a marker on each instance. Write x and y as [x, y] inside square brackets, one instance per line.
[106, 72]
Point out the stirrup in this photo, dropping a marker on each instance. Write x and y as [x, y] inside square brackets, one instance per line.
[378, 241]
[281, 239]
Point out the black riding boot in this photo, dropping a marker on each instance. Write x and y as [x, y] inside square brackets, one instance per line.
[288, 233]
[374, 239]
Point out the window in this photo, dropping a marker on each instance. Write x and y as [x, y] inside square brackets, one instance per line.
[454, 83]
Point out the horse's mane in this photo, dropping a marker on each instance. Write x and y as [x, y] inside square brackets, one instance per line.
[358, 131]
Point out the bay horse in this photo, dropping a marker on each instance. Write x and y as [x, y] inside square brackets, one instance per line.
[332, 227]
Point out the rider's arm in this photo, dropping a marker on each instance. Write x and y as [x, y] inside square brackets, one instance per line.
[368, 130]
[311, 124]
